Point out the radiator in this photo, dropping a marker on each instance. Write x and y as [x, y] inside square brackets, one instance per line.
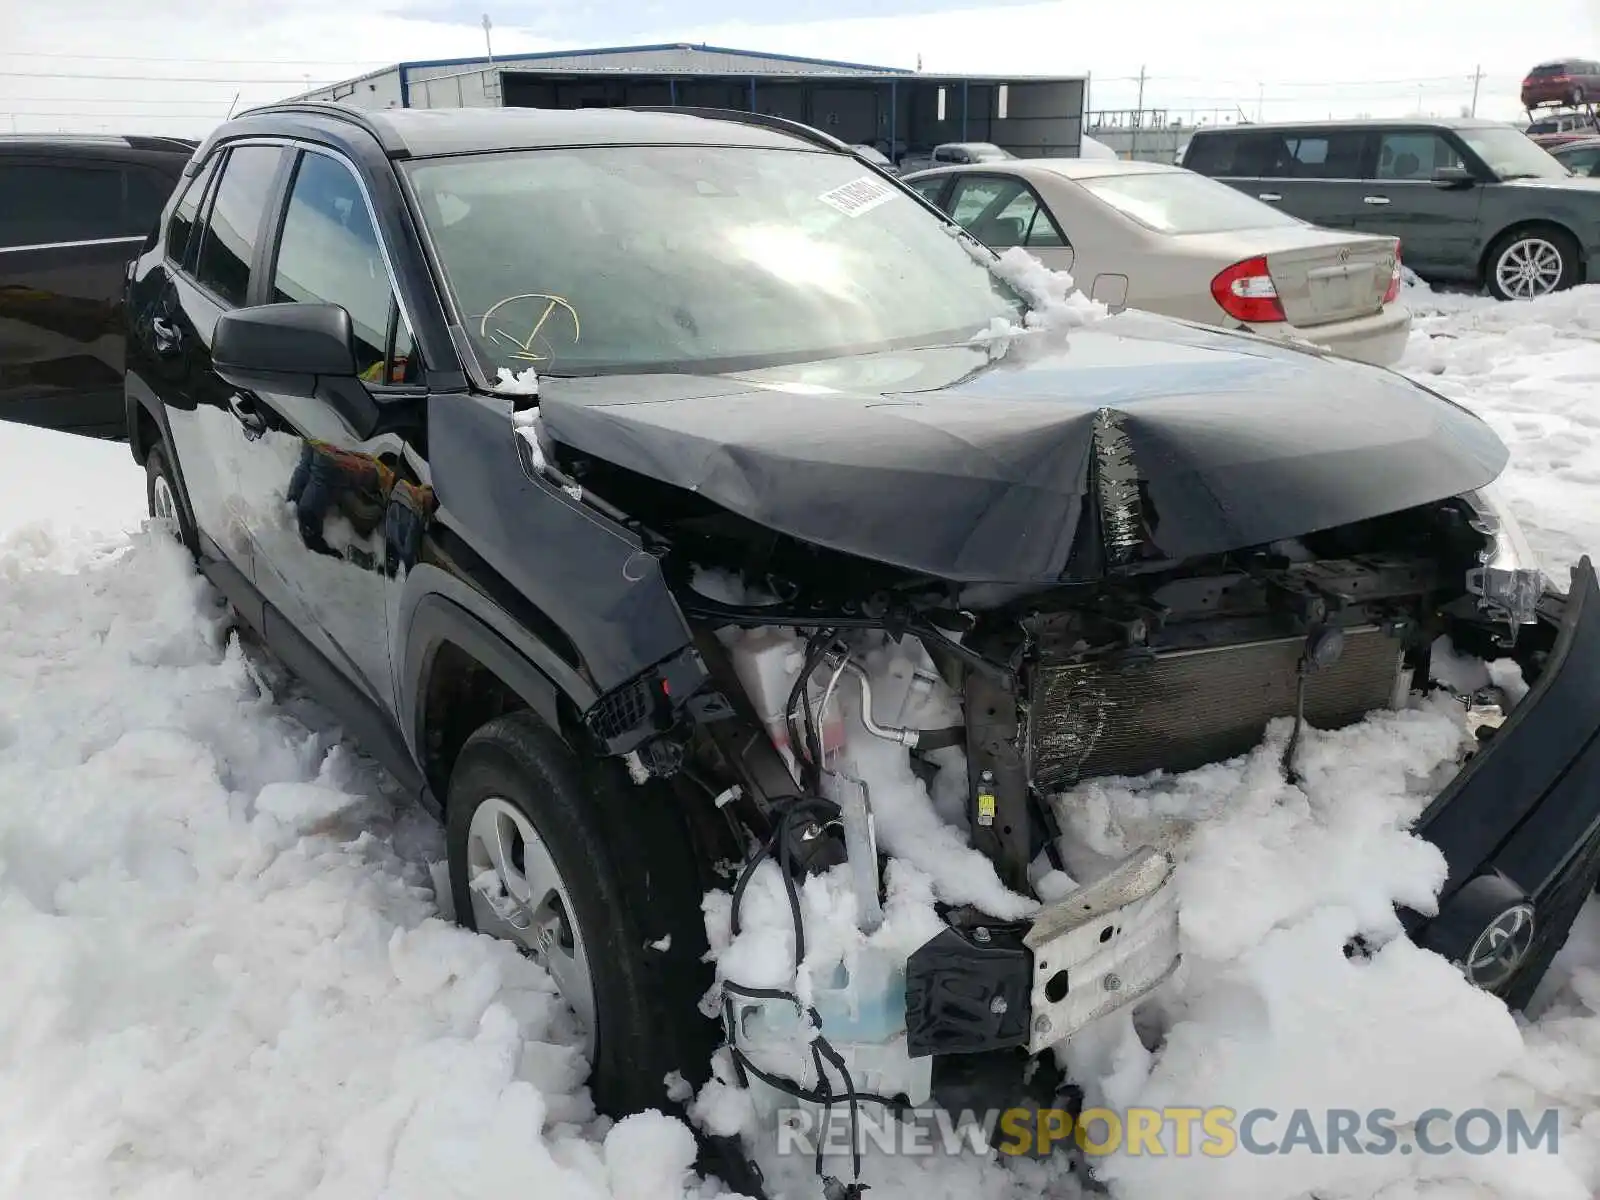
[1187, 708]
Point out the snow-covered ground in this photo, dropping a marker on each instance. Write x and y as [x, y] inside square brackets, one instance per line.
[225, 973]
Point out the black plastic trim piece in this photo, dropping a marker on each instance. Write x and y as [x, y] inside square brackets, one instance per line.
[436, 620]
[956, 982]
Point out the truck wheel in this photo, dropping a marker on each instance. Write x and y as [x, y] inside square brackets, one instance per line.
[598, 881]
[1527, 263]
[162, 494]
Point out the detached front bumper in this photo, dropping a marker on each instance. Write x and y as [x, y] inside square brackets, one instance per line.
[1519, 827]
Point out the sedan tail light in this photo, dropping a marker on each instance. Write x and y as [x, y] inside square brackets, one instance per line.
[1245, 292]
[1392, 292]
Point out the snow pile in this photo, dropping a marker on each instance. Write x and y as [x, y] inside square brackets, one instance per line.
[1530, 370]
[517, 383]
[1268, 1011]
[1054, 300]
[526, 423]
[65, 496]
[225, 970]
[1055, 306]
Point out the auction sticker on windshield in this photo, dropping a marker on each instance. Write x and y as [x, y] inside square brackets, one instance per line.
[857, 196]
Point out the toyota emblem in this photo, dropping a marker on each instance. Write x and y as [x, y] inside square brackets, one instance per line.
[1501, 948]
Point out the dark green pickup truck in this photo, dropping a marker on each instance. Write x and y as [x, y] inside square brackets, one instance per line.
[1471, 201]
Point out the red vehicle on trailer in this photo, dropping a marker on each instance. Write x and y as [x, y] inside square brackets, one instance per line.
[1565, 81]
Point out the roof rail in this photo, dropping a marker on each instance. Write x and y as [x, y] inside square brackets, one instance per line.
[764, 120]
[391, 144]
[158, 141]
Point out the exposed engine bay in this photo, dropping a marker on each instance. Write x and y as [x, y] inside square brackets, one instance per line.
[998, 699]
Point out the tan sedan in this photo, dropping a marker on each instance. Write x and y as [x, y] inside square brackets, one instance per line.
[1160, 238]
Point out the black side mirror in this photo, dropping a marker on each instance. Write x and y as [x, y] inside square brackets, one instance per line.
[305, 350]
[1453, 177]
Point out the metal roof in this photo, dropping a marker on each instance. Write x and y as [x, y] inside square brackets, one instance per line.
[501, 60]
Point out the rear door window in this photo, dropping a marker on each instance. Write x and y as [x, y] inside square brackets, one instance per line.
[1248, 155]
[145, 196]
[233, 229]
[1414, 154]
[1335, 154]
[930, 189]
[50, 203]
[181, 242]
[1002, 212]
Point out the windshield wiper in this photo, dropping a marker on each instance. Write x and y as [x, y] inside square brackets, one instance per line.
[1526, 175]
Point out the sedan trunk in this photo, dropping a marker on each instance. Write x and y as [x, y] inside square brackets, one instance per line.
[1321, 275]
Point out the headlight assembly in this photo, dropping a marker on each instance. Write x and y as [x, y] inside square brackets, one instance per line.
[1508, 581]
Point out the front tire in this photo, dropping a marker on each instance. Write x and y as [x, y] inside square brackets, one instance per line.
[1525, 264]
[587, 875]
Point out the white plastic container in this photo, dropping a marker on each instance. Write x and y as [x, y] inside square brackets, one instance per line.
[863, 1013]
[864, 1001]
[767, 663]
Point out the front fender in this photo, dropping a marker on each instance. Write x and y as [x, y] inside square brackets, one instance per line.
[438, 608]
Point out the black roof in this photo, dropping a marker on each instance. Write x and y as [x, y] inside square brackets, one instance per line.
[131, 141]
[424, 132]
[1362, 123]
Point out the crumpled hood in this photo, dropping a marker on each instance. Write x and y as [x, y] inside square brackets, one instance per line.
[1137, 439]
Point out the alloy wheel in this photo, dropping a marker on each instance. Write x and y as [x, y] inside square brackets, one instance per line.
[164, 505]
[519, 894]
[1529, 267]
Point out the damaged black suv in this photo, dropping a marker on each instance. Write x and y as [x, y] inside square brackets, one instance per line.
[588, 463]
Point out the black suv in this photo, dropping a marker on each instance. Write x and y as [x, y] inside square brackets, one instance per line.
[1471, 201]
[593, 465]
[73, 211]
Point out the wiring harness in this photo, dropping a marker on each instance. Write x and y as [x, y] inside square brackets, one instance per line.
[800, 821]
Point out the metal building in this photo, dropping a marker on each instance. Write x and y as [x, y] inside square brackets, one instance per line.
[897, 110]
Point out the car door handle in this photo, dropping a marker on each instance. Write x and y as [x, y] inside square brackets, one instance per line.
[1268, 196]
[167, 337]
[1374, 199]
[245, 412]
